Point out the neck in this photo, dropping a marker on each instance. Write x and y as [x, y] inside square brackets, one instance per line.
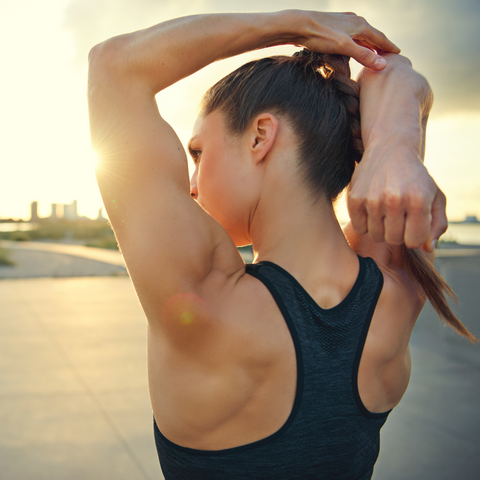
[293, 234]
[307, 241]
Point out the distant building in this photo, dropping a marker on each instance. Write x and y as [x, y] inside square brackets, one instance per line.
[34, 212]
[55, 210]
[100, 214]
[471, 219]
[70, 211]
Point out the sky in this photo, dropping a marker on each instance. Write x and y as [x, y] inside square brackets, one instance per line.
[45, 152]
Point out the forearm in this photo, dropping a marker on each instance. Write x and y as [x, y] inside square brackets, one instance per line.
[165, 53]
[392, 196]
[394, 106]
[161, 55]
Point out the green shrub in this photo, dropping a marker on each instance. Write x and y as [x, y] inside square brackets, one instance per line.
[19, 236]
[108, 241]
[5, 259]
[93, 231]
[49, 231]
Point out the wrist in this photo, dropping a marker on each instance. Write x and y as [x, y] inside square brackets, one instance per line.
[290, 27]
[393, 147]
[405, 137]
[394, 108]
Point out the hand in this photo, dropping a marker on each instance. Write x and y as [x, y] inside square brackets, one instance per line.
[348, 34]
[393, 198]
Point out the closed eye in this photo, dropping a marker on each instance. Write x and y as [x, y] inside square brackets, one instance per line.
[195, 154]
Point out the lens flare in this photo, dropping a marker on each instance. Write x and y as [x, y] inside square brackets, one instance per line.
[186, 318]
[185, 310]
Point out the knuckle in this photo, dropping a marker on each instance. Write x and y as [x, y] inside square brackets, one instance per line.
[365, 55]
[355, 200]
[343, 42]
[373, 204]
[417, 202]
[393, 200]
[361, 23]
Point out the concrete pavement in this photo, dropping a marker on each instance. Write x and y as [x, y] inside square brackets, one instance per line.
[434, 433]
[74, 401]
[41, 259]
[73, 392]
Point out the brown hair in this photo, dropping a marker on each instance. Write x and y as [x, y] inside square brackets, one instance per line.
[436, 289]
[315, 94]
[321, 108]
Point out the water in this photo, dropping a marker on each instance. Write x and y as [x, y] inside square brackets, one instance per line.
[17, 227]
[464, 233]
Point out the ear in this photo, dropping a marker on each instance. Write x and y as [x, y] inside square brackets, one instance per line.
[262, 134]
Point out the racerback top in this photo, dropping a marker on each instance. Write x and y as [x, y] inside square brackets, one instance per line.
[329, 435]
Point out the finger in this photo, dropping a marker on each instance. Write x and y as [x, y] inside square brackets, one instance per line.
[395, 228]
[376, 226]
[366, 57]
[439, 216]
[366, 35]
[373, 38]
[357, 214]
[439, 221]
[417, 227]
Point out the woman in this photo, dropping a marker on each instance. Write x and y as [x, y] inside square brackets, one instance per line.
[286, 368]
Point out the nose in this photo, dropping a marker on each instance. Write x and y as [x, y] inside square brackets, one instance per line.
[193, 184]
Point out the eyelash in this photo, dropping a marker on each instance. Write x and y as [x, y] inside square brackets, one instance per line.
[195, 155]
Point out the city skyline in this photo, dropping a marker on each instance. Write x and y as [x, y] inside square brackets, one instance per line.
[58, 211]
[45, 147]
[69, 211]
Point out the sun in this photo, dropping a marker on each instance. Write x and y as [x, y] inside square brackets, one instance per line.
[94, 160]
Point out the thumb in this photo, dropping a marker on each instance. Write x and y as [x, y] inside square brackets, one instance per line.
[439, 221]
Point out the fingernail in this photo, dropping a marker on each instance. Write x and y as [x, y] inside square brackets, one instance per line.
[380, 62]
[434, 244]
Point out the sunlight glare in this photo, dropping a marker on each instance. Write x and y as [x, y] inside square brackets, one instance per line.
[94, 160]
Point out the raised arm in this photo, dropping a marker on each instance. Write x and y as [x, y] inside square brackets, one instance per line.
[393, 198]
[394, 203]
[170, 244]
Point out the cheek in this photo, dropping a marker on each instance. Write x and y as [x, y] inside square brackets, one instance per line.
[218, 194]
[214, 183]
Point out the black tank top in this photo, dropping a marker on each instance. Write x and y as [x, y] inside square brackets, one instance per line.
[329, 435]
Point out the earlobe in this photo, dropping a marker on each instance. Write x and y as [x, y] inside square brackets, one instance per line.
[264, 133]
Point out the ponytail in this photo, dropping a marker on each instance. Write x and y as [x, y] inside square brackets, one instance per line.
[316, 95]
[435, 288]
[335, 68]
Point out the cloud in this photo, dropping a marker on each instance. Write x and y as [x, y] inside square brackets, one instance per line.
[441, 37]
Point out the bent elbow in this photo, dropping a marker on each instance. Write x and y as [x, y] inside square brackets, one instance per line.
[104, 55]
[111, 56]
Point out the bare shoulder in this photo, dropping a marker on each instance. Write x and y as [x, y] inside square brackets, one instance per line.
[233, 356]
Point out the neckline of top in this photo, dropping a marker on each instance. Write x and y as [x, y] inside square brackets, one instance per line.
[336, 308]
